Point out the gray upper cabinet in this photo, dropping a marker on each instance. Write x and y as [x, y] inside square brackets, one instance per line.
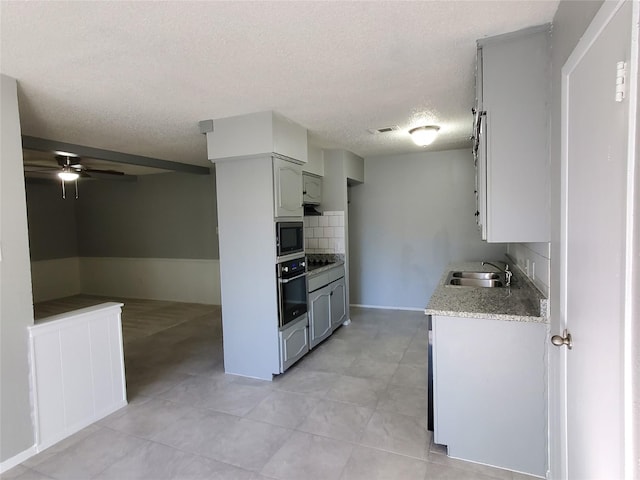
[287, 185]
[512, 158]
[311, 189]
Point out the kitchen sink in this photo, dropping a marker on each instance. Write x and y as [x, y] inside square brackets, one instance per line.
[474, 279]
[478, 275]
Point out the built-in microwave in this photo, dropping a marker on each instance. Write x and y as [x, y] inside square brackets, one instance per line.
[289, 238]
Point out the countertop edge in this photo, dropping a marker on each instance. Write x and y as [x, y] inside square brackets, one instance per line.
[486, 316]
[326, 268]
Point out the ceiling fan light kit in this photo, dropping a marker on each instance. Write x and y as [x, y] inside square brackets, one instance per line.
[68, 175]
[70, 169]
[425, 135]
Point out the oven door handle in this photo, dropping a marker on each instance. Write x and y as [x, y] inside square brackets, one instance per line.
[287, 280]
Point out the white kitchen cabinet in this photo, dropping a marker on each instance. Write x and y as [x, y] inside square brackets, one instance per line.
[287, 188]
[489, 391]
[311, 189]
[513, 95]
[338, 303]
[294, 343]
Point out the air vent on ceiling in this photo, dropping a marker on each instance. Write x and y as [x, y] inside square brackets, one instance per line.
[377, 131]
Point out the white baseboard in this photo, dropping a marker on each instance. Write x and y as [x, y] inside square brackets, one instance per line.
[34, 449]
[382, 307]
[9, 463]
[79, 426]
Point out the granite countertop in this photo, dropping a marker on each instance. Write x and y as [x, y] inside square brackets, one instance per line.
[324, 268]
[522, 302]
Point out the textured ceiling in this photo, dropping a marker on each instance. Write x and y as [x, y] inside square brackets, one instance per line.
[137, 77]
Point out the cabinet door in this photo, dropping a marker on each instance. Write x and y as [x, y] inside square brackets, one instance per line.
[489, 391]
[294, 344]
[338, 300]
[311, 189]
[481, 178]
[515, 96]
[287, 179]
[319, 315]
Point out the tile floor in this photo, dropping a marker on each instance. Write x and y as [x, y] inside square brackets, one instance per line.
[354, 408]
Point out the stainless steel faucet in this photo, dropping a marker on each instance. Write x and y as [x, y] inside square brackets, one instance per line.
[507, 273]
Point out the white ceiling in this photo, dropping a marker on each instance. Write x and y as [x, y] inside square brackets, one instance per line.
[137, 77]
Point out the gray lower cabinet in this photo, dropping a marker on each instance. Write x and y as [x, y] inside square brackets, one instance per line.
[319, 315]
[327, 304]
[338, 303]
[486, 408]
[294, 343]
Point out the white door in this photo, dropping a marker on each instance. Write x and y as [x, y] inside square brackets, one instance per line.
[595, 262]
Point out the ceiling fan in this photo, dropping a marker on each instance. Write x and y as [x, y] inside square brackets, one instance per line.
[70, 169]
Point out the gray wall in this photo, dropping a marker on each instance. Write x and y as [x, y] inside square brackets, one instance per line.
[411, 217]
[170, 215]
[16, 310]
[340, 166]
[52, 221]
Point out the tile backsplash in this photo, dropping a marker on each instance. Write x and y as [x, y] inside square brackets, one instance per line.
[534, 260]
[324, 233]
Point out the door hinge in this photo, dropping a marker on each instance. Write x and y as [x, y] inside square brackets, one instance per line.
[621, 74]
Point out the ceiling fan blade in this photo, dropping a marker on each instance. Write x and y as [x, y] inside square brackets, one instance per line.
[42, 168]
[106, 172]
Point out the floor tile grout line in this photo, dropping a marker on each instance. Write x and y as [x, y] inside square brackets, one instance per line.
[194, 454]
[402, 343]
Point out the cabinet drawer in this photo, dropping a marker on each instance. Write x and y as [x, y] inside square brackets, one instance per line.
[336, 273]
[294, 343]
[317, 281]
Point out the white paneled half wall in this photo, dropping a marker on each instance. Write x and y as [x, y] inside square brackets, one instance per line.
[77, 370]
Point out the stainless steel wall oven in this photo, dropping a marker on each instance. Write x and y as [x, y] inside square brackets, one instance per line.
[292, 290]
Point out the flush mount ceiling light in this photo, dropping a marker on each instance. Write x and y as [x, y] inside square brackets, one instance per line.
[67, 174]
[423, 136]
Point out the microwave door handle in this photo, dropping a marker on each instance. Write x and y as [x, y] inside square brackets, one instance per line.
[287, 280]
